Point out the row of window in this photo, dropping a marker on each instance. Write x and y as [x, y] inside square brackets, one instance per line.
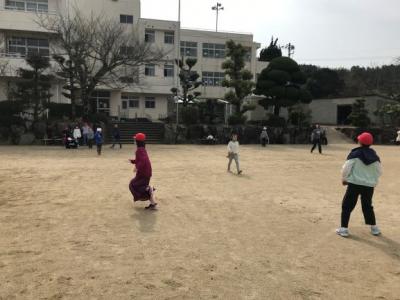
[28, 5]
[150, 70]
[150, 36]
[25, 46]
[210, 50]
[133, 102]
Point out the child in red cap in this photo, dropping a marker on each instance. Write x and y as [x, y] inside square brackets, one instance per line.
[139, 186]
[360, 173]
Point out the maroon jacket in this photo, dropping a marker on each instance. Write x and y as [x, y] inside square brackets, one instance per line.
[143, 165]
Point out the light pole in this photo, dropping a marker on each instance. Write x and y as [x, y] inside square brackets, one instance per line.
[217, 8]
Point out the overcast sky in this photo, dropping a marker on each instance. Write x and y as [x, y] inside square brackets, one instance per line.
[334, 33]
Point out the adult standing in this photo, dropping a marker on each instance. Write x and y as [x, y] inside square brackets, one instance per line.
[316, 137]
[85, 131]
[264, 137]
[116, 133]
[90, 137]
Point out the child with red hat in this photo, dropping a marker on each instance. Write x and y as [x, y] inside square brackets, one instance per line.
[139, 185]
[360, 173]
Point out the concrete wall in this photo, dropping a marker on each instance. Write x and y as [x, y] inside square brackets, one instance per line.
[324, 111]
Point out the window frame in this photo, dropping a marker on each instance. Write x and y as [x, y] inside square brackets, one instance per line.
[149, 33]
[126, 19]
[212, 50]
[150, 70]
[150, 100]
[169, 71]
[171, 36]
[189, 49]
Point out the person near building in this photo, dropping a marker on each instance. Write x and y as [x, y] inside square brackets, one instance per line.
[398, 138]
[140, 184]
[264, 137]
[98, 137]
[116, 134]
[360, 174]
[316, 137]
[77, 134]
[85, 131]
[90, 137]
[233, 153]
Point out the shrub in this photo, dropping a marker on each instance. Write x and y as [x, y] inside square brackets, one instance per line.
[237, 120]
[59, 110]
[189, 115]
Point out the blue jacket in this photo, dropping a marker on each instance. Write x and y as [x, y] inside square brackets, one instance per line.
[98, 137]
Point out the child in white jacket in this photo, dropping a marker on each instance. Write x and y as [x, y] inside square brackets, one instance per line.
[233, 153]
[360, 173]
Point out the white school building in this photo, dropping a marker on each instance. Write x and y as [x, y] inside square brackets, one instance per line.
[151, 98]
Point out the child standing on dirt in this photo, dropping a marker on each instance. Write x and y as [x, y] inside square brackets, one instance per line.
[361, 172]
[98, 138]
[140, 185]
[233, 153]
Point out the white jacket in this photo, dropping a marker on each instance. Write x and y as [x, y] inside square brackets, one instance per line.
[233, 147]
[77, 133]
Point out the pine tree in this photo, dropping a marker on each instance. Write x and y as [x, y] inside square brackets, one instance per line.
[359, 115]
[238, 78]
[33, 86]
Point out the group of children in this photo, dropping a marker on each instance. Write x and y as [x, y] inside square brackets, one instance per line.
[360, 174]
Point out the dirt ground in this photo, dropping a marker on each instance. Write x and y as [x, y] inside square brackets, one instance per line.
[69, 228]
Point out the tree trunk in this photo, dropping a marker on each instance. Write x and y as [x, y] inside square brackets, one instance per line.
[277, 110]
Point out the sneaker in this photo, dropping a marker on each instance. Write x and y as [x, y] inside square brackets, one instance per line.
[342, 231]
[152, 206]
[240, 172]
[375, 230]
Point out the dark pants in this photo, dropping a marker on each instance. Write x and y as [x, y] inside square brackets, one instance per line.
[350, 201]
[116, 140]
[315, 143]
[264, 142]
[90, 143]
[99, 148]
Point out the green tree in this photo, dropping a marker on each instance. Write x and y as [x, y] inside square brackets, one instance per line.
[271, 52]
[325, 83]
[282, 84]
[238, 79]
[189, 80]
[33, 86]
[359, 115]
[390, 114]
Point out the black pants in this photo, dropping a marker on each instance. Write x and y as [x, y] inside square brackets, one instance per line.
[99, 148]
[90, 143]
[315, 143]
[116, 140]
[350, 201]
[264, 142]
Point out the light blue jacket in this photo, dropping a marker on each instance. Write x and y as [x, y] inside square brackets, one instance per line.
[356, 172]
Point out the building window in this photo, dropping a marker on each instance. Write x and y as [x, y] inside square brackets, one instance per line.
[131, 101]
[28, 5]
[168, 70]
[101, 99]
[149, 36]
[189, 49]
[247, 57]
[213, 78]
[169, 37]
[25, 46]
[150, 70]
[213, 50]
[150, 102]
[126, 19]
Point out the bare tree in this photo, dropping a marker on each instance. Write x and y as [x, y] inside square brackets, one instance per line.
[93, 51]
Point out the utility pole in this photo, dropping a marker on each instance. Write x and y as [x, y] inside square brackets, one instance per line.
[217, 8]
[290, 49]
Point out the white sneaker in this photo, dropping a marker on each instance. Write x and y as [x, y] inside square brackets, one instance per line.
[375, 230]
[342, 231]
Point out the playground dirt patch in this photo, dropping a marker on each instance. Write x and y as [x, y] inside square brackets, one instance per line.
[69, 228]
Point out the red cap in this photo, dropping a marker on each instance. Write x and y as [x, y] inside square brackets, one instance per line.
[140, 137]
[366, 139]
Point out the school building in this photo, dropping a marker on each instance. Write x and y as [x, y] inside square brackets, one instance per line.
[151, 98]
